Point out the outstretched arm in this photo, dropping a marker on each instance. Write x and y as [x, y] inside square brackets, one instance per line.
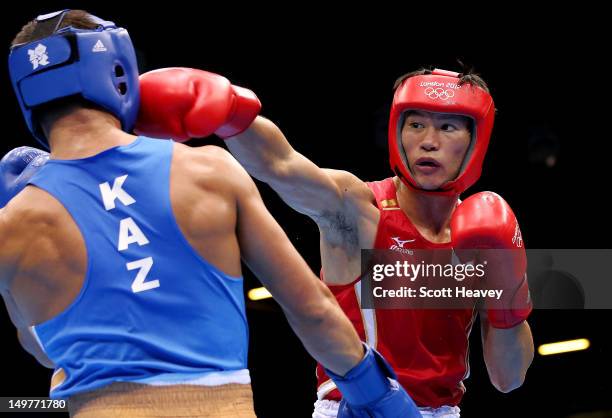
[266, 154]
[309, 306]
[314, 314]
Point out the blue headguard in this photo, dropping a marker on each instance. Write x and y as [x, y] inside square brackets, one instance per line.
[97, 64]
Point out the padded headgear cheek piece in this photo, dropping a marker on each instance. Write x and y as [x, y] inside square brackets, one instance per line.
[441, 92]
[97, 64]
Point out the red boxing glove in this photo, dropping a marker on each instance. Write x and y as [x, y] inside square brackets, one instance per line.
[486, 223]
[184, 103]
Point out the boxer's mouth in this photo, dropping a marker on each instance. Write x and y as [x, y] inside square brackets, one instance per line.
[427, 162]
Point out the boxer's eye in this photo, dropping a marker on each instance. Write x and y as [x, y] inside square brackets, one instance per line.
[448, 127]
[415, 125]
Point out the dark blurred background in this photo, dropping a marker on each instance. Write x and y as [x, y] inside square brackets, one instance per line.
[325, 77]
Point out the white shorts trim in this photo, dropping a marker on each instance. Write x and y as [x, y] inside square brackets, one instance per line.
[324, 389]
[329, 409]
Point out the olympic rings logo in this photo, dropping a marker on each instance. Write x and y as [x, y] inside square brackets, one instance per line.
[439, 93]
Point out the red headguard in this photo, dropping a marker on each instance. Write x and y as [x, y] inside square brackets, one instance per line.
[440, 92]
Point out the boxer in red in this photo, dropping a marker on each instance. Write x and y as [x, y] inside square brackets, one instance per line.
[439, 132]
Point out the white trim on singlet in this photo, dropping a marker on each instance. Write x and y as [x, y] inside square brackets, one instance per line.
[207, 379]
[468, 330]
[368, 317]
[32, 329]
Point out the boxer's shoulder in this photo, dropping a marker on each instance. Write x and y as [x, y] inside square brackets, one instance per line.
[38, 232]
[355, 192]
[210, 169]
[33, 204]
[32, 213]
[203, 152]
[208, 159]
[20, 220]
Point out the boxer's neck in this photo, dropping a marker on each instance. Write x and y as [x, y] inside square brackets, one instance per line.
[83, 132]
[426, 211]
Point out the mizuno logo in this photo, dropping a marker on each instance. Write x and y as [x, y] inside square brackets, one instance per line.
[401, 243]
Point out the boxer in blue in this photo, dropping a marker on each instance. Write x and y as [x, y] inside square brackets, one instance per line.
[120, 254]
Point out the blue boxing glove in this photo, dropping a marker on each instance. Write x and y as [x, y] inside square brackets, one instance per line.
[370, 390]
[17, 168]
